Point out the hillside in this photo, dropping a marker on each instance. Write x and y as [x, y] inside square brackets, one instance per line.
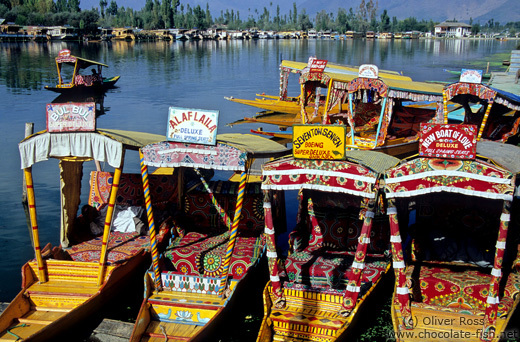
[502, 11]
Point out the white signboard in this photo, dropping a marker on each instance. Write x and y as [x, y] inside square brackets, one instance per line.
[196, 126]
[368, 71]
[471, 76]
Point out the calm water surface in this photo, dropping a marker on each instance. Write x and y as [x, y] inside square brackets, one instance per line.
[157, 75]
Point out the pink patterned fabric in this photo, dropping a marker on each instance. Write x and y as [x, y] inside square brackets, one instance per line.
[425, 175]
[326, 175]
[173, 154]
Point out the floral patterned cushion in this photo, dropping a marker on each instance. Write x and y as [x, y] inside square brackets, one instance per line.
[449, 287]
[199, 254]
[326, 269]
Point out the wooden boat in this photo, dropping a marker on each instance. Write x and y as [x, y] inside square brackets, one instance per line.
[383, 114]
[336, 258]
[494, 111]
[218, 240]
[93, 83]
[66, 285]
[285, 110]
[456, 279]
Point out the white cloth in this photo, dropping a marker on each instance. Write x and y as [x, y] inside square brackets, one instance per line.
[93, 145]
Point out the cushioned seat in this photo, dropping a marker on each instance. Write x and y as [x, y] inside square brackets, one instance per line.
[320, 268]
[199, 254]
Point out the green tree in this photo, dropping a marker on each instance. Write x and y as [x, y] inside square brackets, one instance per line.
[102, 5]
[385, 22]
[112, 8]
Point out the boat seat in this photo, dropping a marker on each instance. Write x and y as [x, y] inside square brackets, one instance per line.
[449, 287]
[200, 244]
[325, 258]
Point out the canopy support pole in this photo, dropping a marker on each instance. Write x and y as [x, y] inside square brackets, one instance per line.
[34, 223]
[272, 255]
[402, 296]
[233, 234]
[108, 223]
[381, 116]
[353, 286]
[489, 328]
[151, 223]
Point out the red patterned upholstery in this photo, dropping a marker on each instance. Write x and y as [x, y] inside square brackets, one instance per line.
[325, 257]
[449, 287]
[121, 246]
[201, 249]
[163, 189]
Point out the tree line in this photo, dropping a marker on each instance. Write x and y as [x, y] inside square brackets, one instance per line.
[161, 14]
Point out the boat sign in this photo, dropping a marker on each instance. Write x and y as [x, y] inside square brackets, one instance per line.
[471, 76]
[448, 141]
[196, 126]
[368, 71]
[316, 65]
[319, 142]
[71, 117]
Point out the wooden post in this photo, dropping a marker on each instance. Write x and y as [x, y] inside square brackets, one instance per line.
[34, 223]
[29, 129]
[108, 224]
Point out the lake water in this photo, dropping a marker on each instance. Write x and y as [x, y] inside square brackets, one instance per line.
[157, 75]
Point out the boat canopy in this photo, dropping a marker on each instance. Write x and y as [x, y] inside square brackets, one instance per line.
[356, 176]
[484, 92]
[469, 177]
[82, 63]
[231, 152]
[104, 145]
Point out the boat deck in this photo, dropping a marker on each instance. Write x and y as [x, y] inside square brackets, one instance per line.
[178, 316]
[69, 285]
[307, 316]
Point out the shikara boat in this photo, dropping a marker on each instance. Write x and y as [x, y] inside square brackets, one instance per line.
[85, 83]
[284, 110]
[66, 285]
[495, 112]
[338, 250]
[456, 278]
[217, 242]
[383, 114]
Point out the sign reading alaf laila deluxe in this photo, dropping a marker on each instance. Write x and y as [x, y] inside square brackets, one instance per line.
[196, 126]
[319, 142]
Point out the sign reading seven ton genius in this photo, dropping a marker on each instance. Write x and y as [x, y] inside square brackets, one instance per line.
[196, 126]
[71, 117]
[448, 141]
[319, 142]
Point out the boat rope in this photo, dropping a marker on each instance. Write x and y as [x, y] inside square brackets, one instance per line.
[163, 330]
[16, 326]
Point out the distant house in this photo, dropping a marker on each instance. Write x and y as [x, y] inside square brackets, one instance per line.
[452, 29]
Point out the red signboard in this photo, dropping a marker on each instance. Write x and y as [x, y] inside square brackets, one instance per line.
[448, 141]
[71, 117]
[317, 65]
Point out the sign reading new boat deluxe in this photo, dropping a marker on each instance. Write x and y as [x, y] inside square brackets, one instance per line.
[198, 126]
[448, 141]
[319, 141]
